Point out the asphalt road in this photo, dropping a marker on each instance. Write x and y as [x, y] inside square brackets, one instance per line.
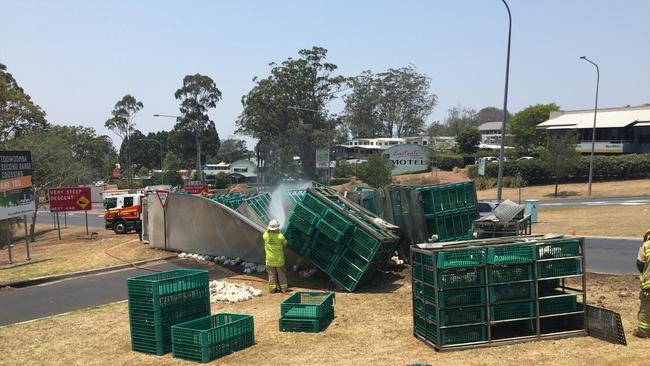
[73, 219]
[603, 255]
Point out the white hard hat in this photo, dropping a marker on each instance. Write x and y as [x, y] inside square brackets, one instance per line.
[274, 225]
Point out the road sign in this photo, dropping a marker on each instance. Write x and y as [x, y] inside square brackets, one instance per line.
[195, 188]
[163, 196]
[69, 199]
[16, 192]
[481, 166]
[322, 158]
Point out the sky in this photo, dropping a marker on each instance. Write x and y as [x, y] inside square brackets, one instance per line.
[78, 58]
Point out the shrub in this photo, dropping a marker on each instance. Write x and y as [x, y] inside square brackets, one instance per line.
[482, 183]
[339, 181]
[447, 161]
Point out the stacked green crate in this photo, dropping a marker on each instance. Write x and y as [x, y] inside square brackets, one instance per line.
[159, 301]
[449, 296]
[326, 232]
[511, 283]
[232, 200]
[260, 205]
[449, 210]
[556, 261]
[211, 337]
[307, 312]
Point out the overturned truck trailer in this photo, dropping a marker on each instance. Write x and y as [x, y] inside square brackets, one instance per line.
[199, 225]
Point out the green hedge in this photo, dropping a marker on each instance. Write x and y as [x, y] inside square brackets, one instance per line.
[339, 181]
[447, 161]
[607, 167]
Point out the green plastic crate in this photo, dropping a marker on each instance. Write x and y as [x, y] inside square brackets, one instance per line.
[515, 310]
[363, 243]
[321, 257]
[460, 277]
[512, 292]
[505, 273]
[460, 335]
[330, 231]
[422, 258]
[460, 316]
[297, 240]
[337, 220]
[558, 305]
[306, 214]
[212, 337]
[166, 283]
[424, 291]
[425, 329]
[568, 248]
[460, 258]
[314, 204]
[521, 253]
[461, 297]
[298, 223]
[306, 325]
[307, 305]
[559, 268]
[352, 257]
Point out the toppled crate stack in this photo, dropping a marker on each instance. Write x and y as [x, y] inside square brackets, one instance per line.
[477, 293]
[337, 237]
[161, 300]
[211, 337]
[449, 210]
[232, 200]
[307, 312]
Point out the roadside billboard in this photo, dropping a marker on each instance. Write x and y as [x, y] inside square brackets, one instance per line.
[408, 158]
[69, 199]
[16, 191]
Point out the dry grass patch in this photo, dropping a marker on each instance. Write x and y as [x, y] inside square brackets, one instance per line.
[626, 221]
[73, 253]
[371, 328]
[624, 188]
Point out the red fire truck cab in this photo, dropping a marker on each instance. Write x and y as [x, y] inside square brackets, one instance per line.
[123, 212]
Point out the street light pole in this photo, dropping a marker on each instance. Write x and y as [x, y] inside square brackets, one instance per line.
[199, 169]
[505, 110]
[593, 130]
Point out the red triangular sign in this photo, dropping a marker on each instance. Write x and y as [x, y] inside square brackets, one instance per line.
[163, 197]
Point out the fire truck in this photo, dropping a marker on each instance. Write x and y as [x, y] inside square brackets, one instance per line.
[123, 212]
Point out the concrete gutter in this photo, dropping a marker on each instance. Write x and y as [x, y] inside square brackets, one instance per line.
[47, 279]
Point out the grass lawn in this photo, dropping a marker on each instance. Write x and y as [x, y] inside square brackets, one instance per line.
[619, 220]
[73, 253]
[637, 187]
[372, 327]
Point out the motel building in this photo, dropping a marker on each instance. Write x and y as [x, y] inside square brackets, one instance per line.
[618, 130]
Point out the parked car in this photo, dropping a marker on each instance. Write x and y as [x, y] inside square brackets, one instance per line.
[486, 207]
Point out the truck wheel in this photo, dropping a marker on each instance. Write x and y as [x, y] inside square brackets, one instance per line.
[120, 227]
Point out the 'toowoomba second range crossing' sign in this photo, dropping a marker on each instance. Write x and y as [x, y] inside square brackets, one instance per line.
[16, 192]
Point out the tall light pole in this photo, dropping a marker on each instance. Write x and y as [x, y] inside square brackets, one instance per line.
[593, 130]
[505, 110]
[162, 172]
[199, 167]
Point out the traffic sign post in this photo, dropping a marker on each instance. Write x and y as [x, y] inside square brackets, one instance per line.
[8, 236]
[163, 197]
[67, 199]
[26, 237]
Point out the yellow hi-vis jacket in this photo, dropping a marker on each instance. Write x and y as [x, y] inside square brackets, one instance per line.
[274, 243]
[644, 256]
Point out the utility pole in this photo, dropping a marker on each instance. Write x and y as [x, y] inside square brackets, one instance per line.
[505, 110]
[593, 130]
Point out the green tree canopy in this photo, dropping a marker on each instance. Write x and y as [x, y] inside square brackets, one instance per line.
[560, 156]
[468, 140]
[286, 112]
[198, 95]
[392, 103]
[19, 115]
[377, 171]
[523, 126]
[171, 162]
[490, 114]
[122, 124]
[232, 150]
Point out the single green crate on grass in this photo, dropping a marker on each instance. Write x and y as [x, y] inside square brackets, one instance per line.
[559, 268]
[330, 231]
[514, 310]
[521, 253]
[306, 214]
[460, 277]
[459, 335]
[460, 258]
[558, 305]
[315, 204]
[461, 297]
[212, 337]
[568, 248]
[512, 292]
[460, 316]
[306, 324]
[307, 305]
[504, 273]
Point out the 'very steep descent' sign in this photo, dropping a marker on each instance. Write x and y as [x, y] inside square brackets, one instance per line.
[69, 199]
